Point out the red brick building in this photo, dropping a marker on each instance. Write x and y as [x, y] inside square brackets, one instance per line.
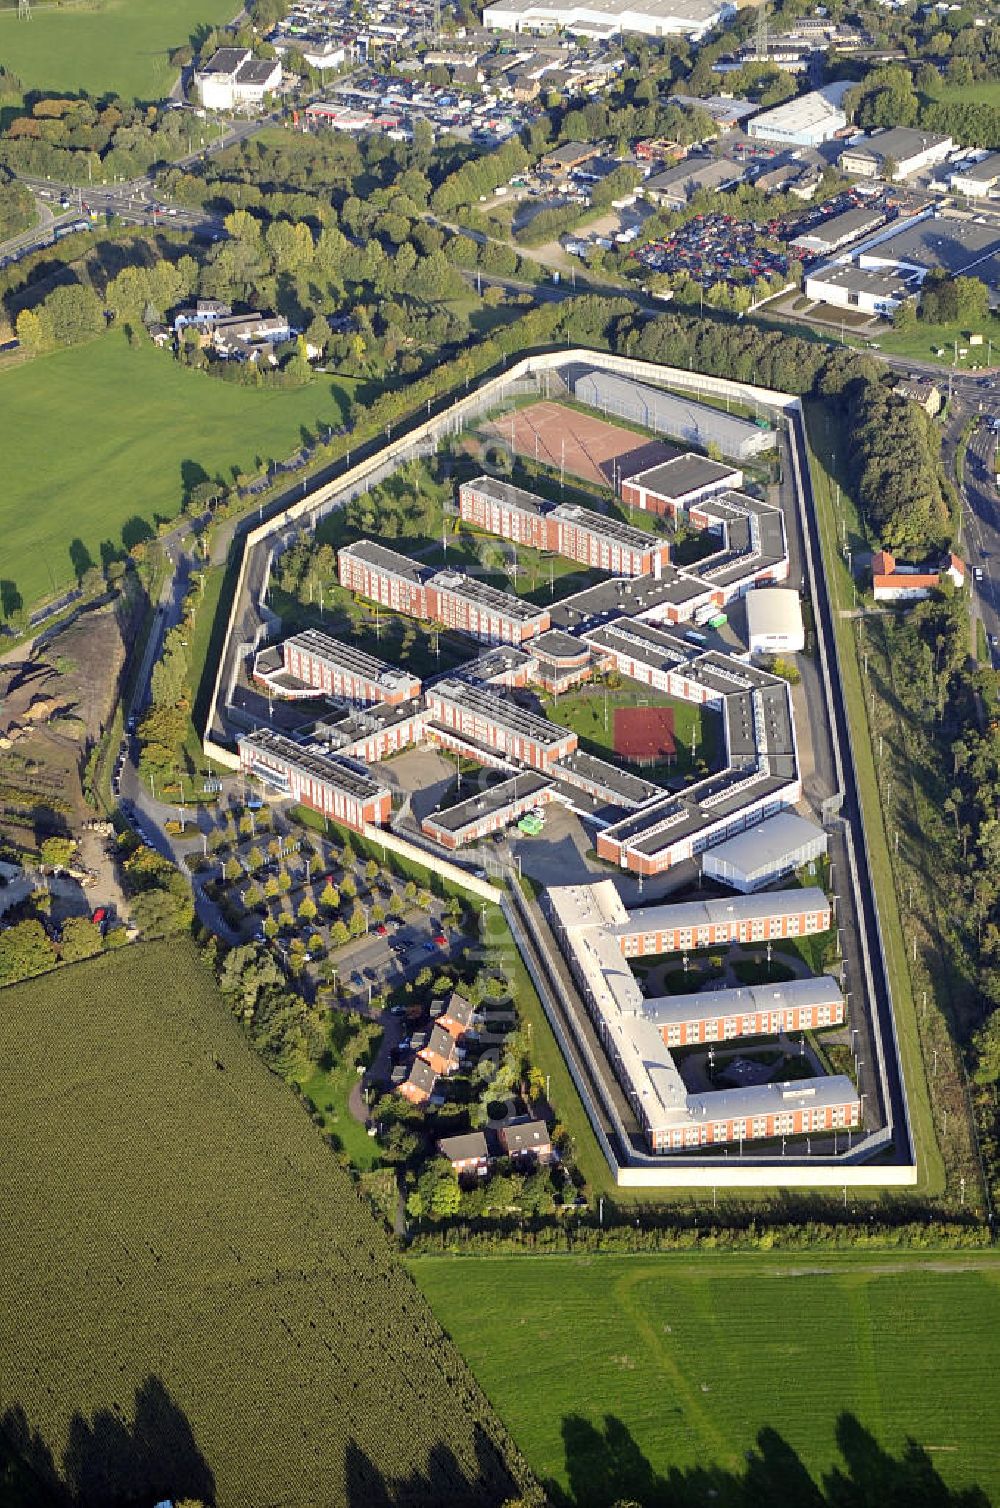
[315, 779]
[579, 533]
[496, 725]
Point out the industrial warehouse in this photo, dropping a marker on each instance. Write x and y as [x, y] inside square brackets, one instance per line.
[638, 621]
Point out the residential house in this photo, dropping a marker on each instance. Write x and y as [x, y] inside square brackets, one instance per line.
[457, 1016]
[421, 1083]
[442, 1052]
[528, 1139]
[894, 582]
[467, 1154]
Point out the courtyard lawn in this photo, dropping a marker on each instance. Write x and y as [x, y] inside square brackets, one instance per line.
[590, 712]
[737, 1379]
[108, 47]
[100, 441]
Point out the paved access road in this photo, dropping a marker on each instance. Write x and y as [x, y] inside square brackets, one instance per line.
[981, 529]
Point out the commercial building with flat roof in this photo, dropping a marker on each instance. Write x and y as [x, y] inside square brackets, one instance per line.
[317, 780]
[804, 122]
[959, 244]
[606, 19]
[840, 230]
[583, 919]
[897, 153]
[868, 289]
[673, 414]
[977, 180]
[765, 853]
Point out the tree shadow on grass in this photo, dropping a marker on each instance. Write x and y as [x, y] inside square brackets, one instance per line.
[605, 1467]
[446, 1482]
[108, 1461]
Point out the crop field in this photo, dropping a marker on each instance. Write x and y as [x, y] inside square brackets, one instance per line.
[196, 1303]
[738, 1379]
[111, 47]
[82, 460]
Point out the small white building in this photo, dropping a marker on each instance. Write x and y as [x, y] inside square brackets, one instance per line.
[774, 621]
[764, 853]
[233, 76]
[866, 289]
[978, 179]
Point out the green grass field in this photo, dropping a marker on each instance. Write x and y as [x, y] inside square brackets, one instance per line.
[197, 1304]
[653, 1379]
[827, 440]
[109, 47]
[102, 438]
[924, 341]
[592, 716]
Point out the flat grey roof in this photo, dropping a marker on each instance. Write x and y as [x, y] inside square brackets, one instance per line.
[490, 802]
[348, 657]
[947, 241]
[625, 596]
[604, 527]
[504, 659]
[484, 595]
[684, 474]
[986, 170]
[708, 1005]
[613, 780]
[500, 710]
[773, 841]
[898, 142]
[555, 644]
[863, 280]
[721, 912]
[313, 762]
[387, 560]
[513, 497]
[841, 228]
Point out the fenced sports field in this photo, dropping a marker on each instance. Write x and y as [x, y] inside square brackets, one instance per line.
[644, 735]
[579, 444]
[632, 725]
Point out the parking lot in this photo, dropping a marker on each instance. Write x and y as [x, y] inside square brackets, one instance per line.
[712, 249]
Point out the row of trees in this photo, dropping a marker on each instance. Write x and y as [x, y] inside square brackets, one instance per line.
[80, 141]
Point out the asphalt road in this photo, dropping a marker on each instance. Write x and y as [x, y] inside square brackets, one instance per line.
[981, 529]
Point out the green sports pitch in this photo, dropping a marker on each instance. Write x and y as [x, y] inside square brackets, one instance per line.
[100, 441]
[801, 1380]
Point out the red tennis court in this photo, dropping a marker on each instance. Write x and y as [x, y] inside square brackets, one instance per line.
[645, 735]
[580, 444]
